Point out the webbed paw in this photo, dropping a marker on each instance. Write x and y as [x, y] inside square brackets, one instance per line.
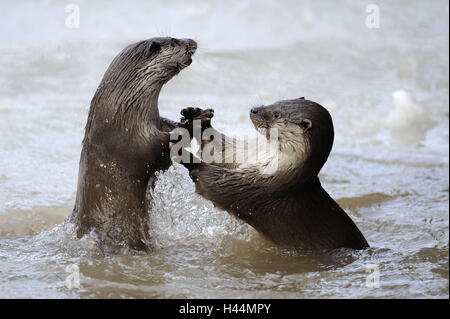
[194, 116]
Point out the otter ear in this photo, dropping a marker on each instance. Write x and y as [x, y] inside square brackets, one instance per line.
[154, 48]
[305, 124]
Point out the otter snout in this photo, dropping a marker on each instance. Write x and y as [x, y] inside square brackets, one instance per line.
[259, 112]
[259, 117]
[191, 45]
[255, 110]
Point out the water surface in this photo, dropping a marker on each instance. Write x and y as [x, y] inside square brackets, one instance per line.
[387, 90]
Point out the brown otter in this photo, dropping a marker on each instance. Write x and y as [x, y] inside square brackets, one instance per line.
[288, 205]
[125, 142]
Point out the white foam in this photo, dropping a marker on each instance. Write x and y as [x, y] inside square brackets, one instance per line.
[179, 215]
[409, 122]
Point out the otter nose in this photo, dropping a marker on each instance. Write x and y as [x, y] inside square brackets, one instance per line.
[187, 41]
[192, 45]
[255, 110]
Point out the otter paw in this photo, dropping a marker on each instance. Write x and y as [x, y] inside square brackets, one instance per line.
[191, 114]
[195, 113]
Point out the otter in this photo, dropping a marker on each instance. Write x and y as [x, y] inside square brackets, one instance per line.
[287, 205]
[125, 142]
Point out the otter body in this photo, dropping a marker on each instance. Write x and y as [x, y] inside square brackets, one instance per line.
[125, 142]
[285, 203]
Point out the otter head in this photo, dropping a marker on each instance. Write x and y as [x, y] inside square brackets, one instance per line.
[304, 132]
[154, 60]
[130, 88]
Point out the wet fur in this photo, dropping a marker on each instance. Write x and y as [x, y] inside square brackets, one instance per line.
[125, 142]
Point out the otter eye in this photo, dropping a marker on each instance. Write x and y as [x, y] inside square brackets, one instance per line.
[276, 115]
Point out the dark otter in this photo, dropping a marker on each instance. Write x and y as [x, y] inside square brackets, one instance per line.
[287, 204]
[125, 142]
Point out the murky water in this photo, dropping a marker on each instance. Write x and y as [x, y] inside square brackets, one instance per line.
[387, 89]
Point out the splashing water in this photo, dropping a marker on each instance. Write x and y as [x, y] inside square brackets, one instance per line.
[388, 92]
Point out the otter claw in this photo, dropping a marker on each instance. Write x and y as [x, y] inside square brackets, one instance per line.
[192, 113]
